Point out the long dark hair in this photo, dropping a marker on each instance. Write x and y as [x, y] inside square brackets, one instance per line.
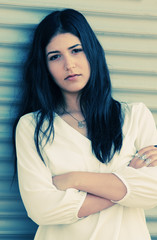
[102, 113]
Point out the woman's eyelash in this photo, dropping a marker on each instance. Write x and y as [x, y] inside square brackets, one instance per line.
[54, 57]
[77, 50]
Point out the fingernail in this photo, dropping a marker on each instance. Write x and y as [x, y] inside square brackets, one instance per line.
[155, 146]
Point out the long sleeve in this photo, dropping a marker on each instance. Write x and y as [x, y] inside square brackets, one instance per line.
[141, 187]
[141, 183]
[44, 203]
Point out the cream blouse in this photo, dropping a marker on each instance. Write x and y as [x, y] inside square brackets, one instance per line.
[56, 211]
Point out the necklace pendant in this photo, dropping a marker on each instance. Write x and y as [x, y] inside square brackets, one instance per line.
[81, 124]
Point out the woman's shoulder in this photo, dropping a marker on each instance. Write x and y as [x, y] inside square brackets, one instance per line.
[28, 119]
[134, 107]
[135, 113]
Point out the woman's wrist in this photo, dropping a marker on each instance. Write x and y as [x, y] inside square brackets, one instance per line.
[64, 181]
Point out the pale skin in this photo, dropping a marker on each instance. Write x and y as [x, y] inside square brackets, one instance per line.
[69, 67]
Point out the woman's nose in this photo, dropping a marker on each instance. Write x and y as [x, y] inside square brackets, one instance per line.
[69, 63]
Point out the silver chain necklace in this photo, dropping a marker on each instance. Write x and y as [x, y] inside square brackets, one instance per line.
[80, 124]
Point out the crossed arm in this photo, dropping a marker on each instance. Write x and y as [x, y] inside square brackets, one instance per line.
[101, 188]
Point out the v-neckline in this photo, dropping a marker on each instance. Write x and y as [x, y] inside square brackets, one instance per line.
[72, 128]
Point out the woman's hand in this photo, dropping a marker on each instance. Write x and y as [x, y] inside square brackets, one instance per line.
[146, 157]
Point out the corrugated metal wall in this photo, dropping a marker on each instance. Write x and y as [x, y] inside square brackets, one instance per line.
[128, 33]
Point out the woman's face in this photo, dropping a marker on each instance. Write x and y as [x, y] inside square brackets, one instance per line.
[67, 63]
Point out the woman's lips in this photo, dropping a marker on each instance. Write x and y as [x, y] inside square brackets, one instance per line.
[72, 77]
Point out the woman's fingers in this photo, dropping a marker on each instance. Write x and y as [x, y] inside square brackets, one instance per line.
[145, 157]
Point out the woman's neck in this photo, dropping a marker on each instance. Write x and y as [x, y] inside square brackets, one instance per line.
[72, 104]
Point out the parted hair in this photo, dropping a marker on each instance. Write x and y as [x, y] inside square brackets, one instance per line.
[103, 114]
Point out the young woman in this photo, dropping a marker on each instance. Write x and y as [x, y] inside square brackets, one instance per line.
[75, 144]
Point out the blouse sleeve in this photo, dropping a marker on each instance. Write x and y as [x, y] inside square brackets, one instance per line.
[45, 204]
[141, 183]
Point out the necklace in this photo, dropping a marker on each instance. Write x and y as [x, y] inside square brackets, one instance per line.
[80, 124]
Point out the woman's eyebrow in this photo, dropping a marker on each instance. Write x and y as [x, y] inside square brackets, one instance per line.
[52, 52]
[74, 46]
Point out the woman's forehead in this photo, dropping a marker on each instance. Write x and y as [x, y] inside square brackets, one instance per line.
[63, 40]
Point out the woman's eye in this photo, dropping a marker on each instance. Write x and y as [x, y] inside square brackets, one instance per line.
[76, 50]
[54, 57]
